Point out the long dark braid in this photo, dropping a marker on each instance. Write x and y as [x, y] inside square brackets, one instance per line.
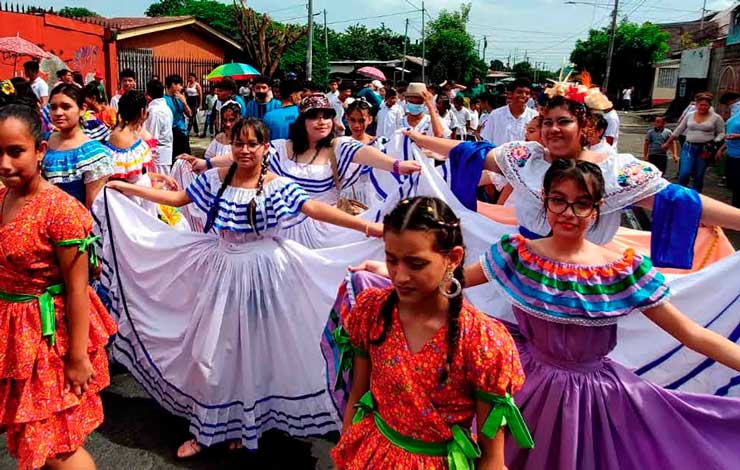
[213, 211]
[252, 209]
[435, 216]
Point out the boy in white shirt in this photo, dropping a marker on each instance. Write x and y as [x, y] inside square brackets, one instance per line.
[463, 117]
[390, 116]
[508, 123]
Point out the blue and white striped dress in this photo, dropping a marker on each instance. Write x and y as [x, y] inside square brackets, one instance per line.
[318, 181]
[230, 340]
[72, 169]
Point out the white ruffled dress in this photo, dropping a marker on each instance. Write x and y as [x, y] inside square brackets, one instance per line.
[231, 342]
[318, 181]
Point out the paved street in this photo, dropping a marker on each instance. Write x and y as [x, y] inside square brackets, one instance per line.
[138, 435]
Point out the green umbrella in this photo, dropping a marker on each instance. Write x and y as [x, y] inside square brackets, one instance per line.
[235, 71]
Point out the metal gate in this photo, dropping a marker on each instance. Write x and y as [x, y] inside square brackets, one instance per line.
[141, 61]
[146, 65]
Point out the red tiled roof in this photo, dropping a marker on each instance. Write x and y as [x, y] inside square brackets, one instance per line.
[126, 23]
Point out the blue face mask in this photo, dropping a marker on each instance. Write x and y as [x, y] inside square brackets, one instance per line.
[735, 108]
[413, 108]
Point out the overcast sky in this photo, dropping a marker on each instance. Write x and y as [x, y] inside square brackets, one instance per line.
[545, 30]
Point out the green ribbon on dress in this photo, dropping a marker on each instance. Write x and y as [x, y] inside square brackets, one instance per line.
[505, 412]
[86, 244]
[461, 450]
[46, 307]
[347, 353]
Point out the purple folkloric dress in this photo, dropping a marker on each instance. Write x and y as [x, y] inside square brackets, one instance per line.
[584, 410]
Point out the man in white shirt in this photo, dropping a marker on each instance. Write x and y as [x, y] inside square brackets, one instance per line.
[126, 82]
[333, 93]
[344, 99]
[463, 116]
[38, 85]
[627, 98]
[159, 124]
[508, 123]
[390, 115]
[612, 131]
[419, 100]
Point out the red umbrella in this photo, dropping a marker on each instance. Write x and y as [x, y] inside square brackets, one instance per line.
[16, 46]
[372, 72]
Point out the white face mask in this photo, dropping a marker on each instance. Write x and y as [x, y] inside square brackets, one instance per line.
[735, 108]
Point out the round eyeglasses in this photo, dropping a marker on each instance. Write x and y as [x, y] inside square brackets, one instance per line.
[580, 209]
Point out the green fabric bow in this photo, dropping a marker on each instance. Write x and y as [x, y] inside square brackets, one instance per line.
[505, 411]
[86, 244]
[46, 307]
[346, 354]
[461, 451]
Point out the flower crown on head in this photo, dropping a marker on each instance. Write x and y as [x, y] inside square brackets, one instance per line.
[7, 87]
[583, 92]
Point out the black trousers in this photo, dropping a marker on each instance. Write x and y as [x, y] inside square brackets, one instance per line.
[660, 161]
[732, 170]
[180, 142]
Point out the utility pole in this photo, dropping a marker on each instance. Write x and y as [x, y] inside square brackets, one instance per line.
[405, 41]
[703, 12]
[615, 12]
[326, 35]
[309, 49]
[485, 46]
[423, 45]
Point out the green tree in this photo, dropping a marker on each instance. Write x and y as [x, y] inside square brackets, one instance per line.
[215, 14]
[522, 69]
[294, 60]
[636, 48]
[451, 50]
[76, 12]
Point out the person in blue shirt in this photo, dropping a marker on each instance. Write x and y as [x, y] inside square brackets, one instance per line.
[261, 104]
[279, 120]
[371, 95]
[226, 91]
[732, 145]
[180, 110]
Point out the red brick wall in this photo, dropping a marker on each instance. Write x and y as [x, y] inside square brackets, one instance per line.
[80, 45]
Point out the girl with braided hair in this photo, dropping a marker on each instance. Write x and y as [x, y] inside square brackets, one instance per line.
[426, 362]
[230, 343]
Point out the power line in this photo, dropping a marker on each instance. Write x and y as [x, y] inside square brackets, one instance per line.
[371, 17]
[296, 5]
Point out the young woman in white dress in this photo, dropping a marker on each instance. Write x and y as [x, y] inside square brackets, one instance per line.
[306, 158]
[231, 343]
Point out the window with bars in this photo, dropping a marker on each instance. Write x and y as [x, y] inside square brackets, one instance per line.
[667, 77]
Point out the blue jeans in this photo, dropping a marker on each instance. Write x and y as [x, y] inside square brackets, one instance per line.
[692, 166]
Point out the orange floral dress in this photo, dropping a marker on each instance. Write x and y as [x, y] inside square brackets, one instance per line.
[406, 387]
[40, 419]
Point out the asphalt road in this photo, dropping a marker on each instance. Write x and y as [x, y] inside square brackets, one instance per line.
[139, 435]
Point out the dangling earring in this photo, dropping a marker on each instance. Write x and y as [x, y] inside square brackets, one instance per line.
[454, 283]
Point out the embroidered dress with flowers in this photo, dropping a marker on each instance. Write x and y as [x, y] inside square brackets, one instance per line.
[585, 410]
[40, 418]
[409, 420]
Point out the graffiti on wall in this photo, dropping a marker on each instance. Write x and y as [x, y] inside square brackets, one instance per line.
[85, 58]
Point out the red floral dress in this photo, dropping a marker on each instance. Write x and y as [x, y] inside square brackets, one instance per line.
[406, 386]
[40, 419]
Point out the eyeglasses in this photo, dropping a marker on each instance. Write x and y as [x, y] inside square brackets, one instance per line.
[250, 145]
[580, 209]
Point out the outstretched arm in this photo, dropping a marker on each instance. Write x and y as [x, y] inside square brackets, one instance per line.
[168, 198]
[713, 212]
[370, 156]
[330, 214]
[444, 146]
[695, 337]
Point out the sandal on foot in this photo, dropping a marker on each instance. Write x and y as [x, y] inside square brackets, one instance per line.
[235, 445]
[189, 449]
